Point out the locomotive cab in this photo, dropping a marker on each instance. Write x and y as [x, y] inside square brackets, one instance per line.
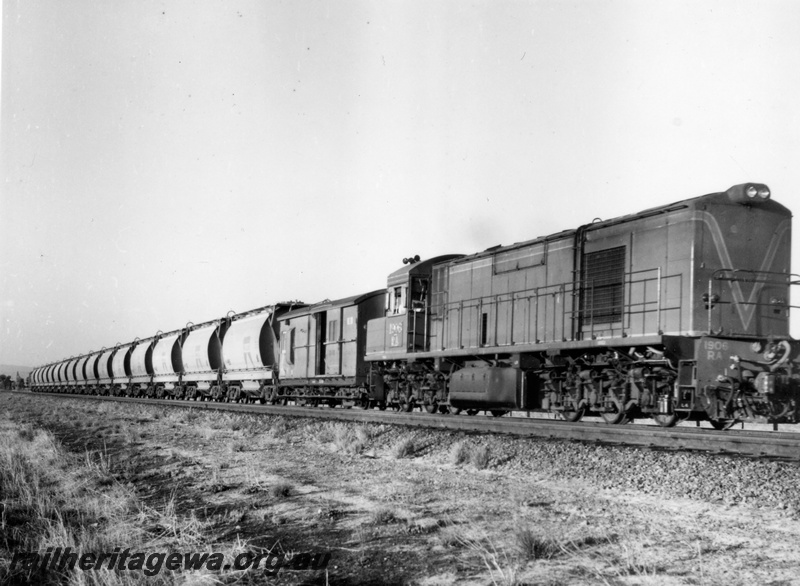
[405, 326]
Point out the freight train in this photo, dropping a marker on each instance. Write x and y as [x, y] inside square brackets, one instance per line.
[679, 312]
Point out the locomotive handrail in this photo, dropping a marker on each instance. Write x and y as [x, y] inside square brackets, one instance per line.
[536, 305]
[757, 277]
[713, 299]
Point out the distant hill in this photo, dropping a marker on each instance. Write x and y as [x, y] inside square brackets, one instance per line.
[12, 370]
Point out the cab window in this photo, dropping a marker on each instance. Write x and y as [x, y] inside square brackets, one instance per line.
[397, 300]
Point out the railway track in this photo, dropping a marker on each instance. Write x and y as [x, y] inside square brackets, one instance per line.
[766, 444]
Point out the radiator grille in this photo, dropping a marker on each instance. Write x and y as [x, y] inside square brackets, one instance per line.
[603, 279]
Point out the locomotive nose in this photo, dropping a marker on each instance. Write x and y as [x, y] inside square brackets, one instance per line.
[748, 193]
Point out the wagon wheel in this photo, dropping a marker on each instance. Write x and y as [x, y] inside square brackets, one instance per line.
[572, 416]
[499, 412]
[454, 410]
[666, 420]
[722, 424]
[443, 409]
[432, 406]
[472, 411]
[407, 406]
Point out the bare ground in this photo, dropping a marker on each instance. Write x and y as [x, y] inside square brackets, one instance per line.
[396, 506]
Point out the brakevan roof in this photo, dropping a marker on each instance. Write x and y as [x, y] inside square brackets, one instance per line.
[328, 304]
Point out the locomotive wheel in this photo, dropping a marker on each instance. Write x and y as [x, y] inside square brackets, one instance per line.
[615, 417]
[722, 424]
[666, 420]
[472, 411]
[572, 416]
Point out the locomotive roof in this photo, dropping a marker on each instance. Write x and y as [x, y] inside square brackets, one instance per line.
[719, 197]
[401, 275]
[327, 304]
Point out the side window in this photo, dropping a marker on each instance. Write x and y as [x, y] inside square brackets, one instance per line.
[398, 300]
[333, 330]
[603, 285]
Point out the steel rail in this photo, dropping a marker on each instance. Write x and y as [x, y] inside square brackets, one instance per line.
[767, 444]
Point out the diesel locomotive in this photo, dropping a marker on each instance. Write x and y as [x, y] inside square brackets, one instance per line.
[679, 312]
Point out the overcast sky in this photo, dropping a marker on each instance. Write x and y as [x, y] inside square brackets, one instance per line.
[168, 161]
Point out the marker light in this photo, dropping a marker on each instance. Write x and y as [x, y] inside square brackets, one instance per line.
[751, 191]
[763, 193]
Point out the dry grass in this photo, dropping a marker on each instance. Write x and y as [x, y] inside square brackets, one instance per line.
[345, 438]
[405, 448]
[513, 527]
[382, 516]
[479, 457]
[281, 490]
[459, 453]
[533, 546]
[52, 498]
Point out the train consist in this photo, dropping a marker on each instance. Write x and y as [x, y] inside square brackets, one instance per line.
[678, 312]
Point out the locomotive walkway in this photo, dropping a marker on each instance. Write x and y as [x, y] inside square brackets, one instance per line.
[765, 444]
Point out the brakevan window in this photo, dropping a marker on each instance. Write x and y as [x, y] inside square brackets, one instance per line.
[603, 285]
[333, 330]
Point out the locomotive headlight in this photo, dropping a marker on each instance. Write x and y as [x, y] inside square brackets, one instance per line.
[748, 193]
